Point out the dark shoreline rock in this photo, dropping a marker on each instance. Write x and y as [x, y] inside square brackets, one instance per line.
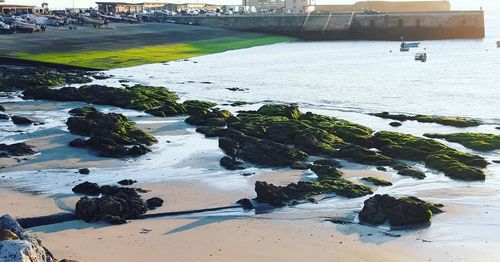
[377, 181]
[447, 121]
[18, 149]
[112, 135]
[404, 211]
[475, 141]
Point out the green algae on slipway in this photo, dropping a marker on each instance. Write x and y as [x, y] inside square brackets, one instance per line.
[476, 141]
[109, 59]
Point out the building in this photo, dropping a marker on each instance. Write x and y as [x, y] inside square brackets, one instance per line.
[196, 6]
[297, 6]
[265, 5]
[19, 9]
[123, 7]
[386, 6]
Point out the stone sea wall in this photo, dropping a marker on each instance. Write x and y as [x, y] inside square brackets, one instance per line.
[357, 26]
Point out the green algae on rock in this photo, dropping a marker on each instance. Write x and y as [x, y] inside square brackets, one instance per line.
[411, 172]
[403, 211]
[435, 154]
[110, 134]
[447, 121]
[475, 141]
[377, 181]
[22, 78]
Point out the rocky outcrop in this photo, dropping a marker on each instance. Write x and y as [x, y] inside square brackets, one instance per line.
[447, 121]
[18, 149]
[18, 78]
[476, 141]
[22, 120]
[17, 245]
[115, 205]
[451, 162]
[112, 135]
[404, 211]
[154, 203]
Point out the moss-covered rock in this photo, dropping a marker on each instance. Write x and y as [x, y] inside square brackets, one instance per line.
[476, 141]
[447, 121]
[110, 134]
[82, 111]
[21, 78]
[212, 117]
[411, 172]
[405, 211]
[435, 154]
[326, 172]
[280, 196]
[377, 181]
[348, 131]
[138, 97]
[289, 111]
[453, 168]
[194, 107]
[362, 155]
[209, 131]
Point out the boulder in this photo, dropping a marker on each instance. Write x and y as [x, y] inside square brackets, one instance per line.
[21, 120]
[115, 206]
[154, 203]
[87, 188]
[245, 203]
[17, 245]
[4, 117]
[18, 149]
[2, 109]
[230, 164]
[395, 124]
[84, 171]
[405, 211]
[127, 182]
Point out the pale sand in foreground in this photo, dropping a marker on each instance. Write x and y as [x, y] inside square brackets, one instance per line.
[264, 237]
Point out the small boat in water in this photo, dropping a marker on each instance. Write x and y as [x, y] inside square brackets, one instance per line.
[421, 57]
[410, 45]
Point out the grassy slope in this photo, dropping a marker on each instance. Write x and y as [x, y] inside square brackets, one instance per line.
[150, 54]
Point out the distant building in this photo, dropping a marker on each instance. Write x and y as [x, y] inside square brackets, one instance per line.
[196, 6]
[20, 9]
[386, 6]
[265, 5]
[123, 7]
[297, 5]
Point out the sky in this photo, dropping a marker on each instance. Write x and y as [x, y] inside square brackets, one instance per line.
[456, 4]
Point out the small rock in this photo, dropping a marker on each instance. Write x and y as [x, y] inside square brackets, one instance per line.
[127, 182]
[246, 203]
[21, 120]
[154, 203]
[395, 124]
[84, 171]
[2, 108]
[381, 168]
[4, 117]
[87, 188]
[247, 174]
[230, 164]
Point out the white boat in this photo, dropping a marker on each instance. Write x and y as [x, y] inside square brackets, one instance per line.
[410, 45]
[421, 57]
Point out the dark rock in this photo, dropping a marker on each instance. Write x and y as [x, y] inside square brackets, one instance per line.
[377, 181]
[326, 172]
[154, 203]
[245, 203]
[212, 117]
[230, 164]
[362, 155]
[404, 211]
[78, 143]
[395, 124]
[110, 134]
[381, 168]
[115, 206]
[21, 120]
[84, 171]
[248, 174]
[300, 165]
[126, 182]
[412, 172]
[18, 149]
[447, 121]
[209, 131]
[328, 162]
[4, 117]
[87, 188]
[83, 111]
[2, 108]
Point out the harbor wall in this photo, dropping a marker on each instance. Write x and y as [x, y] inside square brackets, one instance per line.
[353, 26]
